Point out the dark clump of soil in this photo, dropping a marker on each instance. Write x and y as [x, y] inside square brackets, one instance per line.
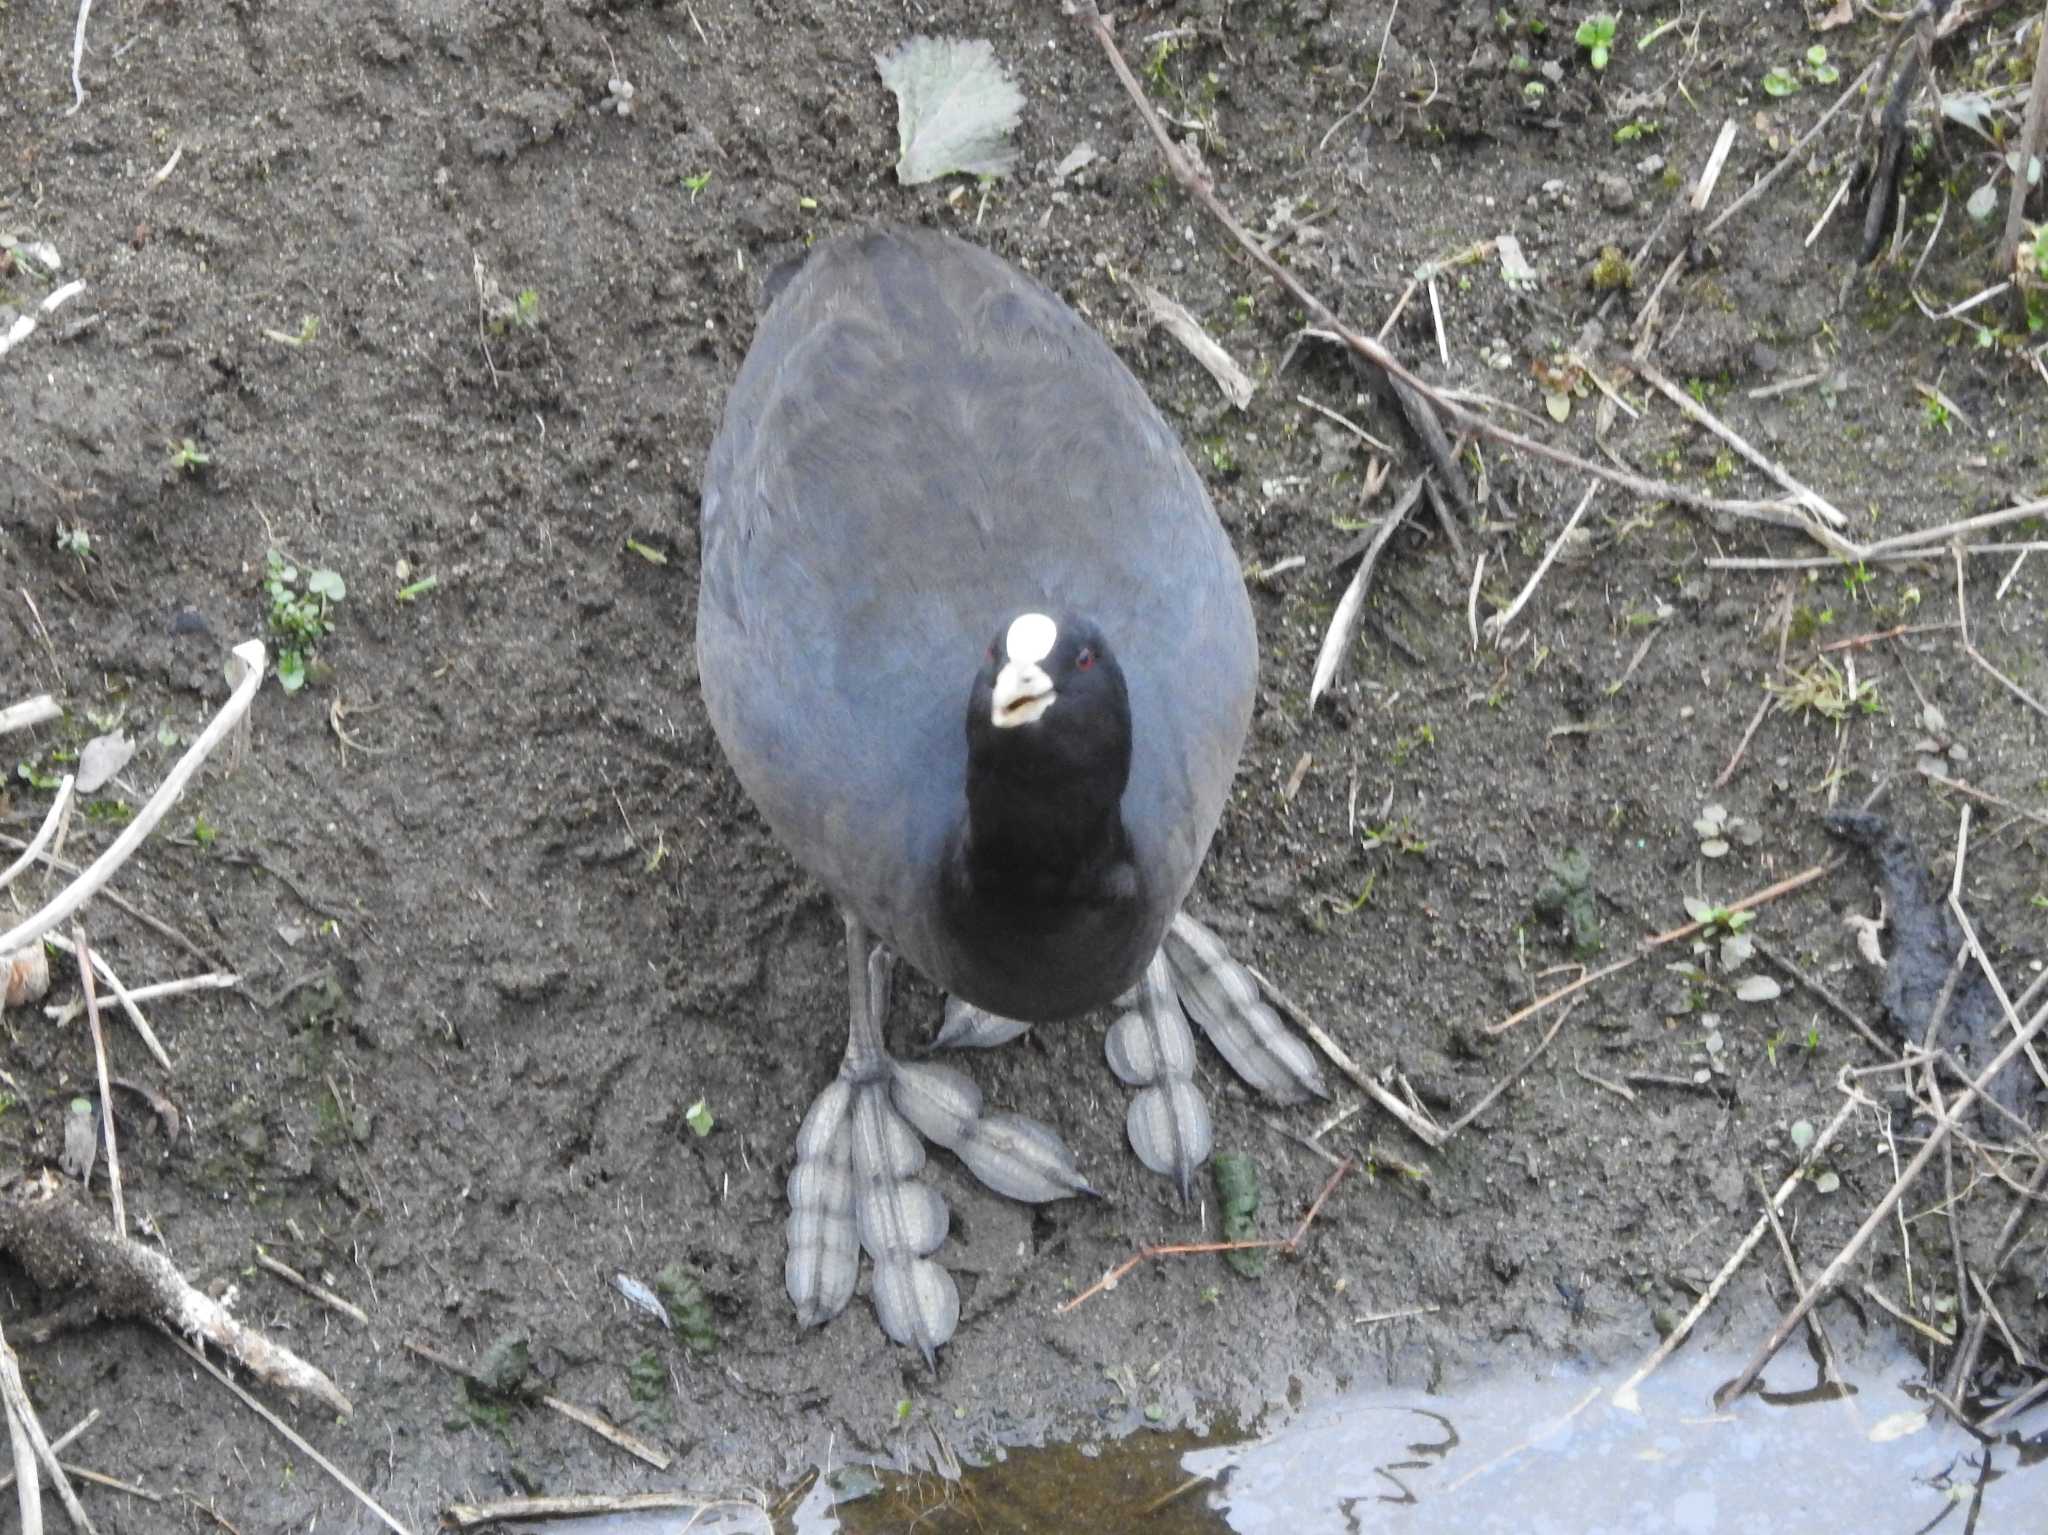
[413, 307]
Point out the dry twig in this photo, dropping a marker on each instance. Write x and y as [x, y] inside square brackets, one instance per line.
[1289, 1244]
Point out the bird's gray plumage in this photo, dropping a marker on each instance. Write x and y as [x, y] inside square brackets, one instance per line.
[921, 443]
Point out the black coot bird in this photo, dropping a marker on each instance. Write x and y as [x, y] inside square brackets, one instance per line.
[980, 652]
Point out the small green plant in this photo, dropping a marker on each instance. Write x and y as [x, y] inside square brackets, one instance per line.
[187, 457]
[1855, 578]
[1780, 82]
[1596, 36]
[699, 1118]
[1534, 92]
[697, 183]
[299, 617]
[36, 777]
[1641, 128]
[1822, 689]
[1818, 66]
[76, 542]
[1935, 415]
[204, 832]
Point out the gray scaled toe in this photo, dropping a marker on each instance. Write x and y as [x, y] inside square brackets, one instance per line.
[967, 1027]
[901, 1222]
[1222, 997]
[1017, 1157]
[823, 1245]
[1150, 1048]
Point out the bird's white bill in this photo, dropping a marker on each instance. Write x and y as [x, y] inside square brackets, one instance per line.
[1023, 692]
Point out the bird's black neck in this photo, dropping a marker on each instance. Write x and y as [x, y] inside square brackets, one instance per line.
[1023, 849]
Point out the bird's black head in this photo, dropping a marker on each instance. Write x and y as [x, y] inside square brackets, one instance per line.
[1049, 718]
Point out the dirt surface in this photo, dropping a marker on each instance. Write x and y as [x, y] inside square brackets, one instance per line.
[503, 915]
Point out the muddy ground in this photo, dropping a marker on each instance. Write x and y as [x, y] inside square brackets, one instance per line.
[504, 917]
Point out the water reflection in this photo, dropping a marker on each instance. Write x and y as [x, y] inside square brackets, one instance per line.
[1531, 1457]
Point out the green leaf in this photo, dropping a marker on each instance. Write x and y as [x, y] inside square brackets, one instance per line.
[646, 552]
[1780, 82]
[954, 108]
[291, 670]
[328, 584]
[419, 588]
[698, 1117]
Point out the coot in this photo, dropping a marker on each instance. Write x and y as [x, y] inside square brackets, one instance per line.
[977, 647]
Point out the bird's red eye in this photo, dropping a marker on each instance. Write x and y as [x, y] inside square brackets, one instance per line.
[1084, 660]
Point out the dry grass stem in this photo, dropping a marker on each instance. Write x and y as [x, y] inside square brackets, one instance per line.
[44, 833]
[1417, 1124]
[319, 1292]
[631, 1443]
[1626, 1394]
[1497, 625]
[251, 654]
[24, 1425]
[288, 1434]
[1115, 1276]
[1832, 1275]
[99, 1052]
[1487, 1099]
[122, 995]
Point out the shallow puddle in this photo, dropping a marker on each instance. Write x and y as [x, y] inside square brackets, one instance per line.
[1524, 1456]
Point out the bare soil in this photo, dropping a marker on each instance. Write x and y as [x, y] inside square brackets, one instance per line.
[504, 916]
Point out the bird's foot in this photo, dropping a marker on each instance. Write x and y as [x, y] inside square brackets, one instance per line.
[855, 1184]
[1151, 1048]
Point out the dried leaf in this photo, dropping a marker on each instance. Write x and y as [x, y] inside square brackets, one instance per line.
[954, 108]
[103, 757]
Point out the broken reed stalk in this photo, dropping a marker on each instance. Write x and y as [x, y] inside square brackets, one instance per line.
[1110, 1280]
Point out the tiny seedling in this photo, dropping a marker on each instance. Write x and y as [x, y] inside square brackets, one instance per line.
[187, 457]
[647, 552]
[299, 618]
[697, 183]
[76, 542]
[1818, 66]
[699, 1118]
[1596, 36]
[204, 832]
[418, 588]
[1780, 82]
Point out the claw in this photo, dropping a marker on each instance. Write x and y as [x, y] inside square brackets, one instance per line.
[1221, 996]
